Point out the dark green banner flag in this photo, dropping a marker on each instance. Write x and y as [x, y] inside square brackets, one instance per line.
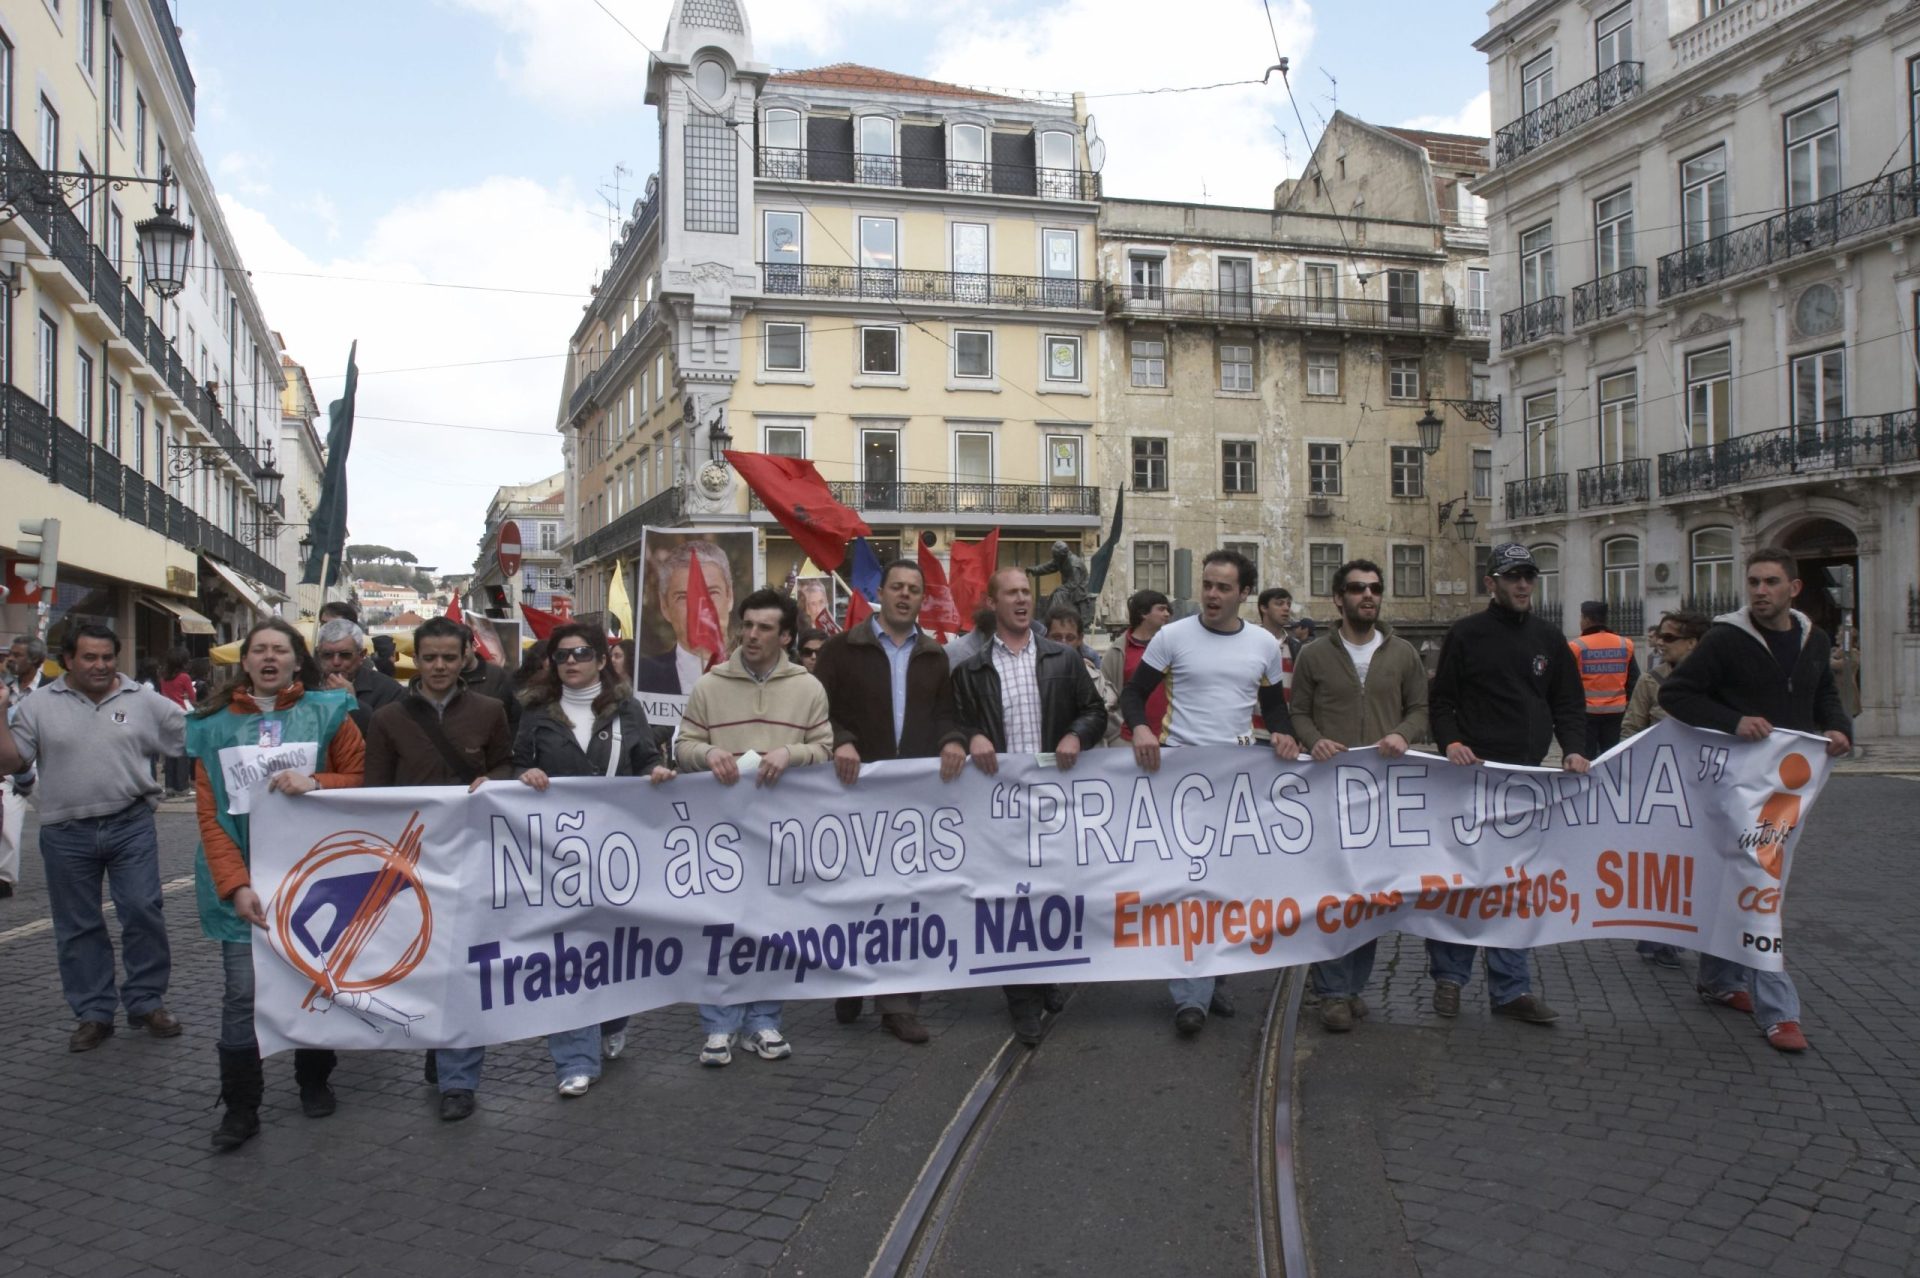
[327, 534]
[1103, 557]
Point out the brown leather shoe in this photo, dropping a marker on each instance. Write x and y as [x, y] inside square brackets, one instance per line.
[846, 1010]
[905, 1026]
[88, 1035]
[159, 1022]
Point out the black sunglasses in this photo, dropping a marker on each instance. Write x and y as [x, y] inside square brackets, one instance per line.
[584, 652]
[1366, 587]
[1519, 574]
[812, 651]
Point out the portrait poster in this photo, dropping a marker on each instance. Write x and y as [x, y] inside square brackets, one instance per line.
[665, 665]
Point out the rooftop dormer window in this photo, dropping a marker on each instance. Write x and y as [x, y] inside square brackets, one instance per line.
[1057, 176]
[877, 159]
[967, 158]
[783, 150]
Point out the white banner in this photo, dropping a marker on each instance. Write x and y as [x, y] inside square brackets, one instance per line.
[428, 917]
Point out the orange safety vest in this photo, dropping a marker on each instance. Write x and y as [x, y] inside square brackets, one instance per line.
[1604, 658]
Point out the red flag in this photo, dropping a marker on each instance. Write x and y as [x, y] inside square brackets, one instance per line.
[937, 612]
[453, 609]
[858, 610]
[539, 620]
[796, 495]
[704, 632]
[972, 571]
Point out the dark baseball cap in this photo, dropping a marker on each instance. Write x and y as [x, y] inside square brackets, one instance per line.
[1305, 623]
[1509, 556]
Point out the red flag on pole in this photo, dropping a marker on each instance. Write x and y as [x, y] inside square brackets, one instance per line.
[704, 631]
[858, 610]
[453, 610]
[539, 620]
[972, 570]
[795, 495]
[937, 612]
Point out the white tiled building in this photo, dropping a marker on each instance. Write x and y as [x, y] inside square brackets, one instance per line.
[1703, 219]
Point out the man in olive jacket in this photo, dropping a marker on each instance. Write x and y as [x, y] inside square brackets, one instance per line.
[1357, 686]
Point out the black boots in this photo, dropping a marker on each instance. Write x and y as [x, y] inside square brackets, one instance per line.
[310, 1069]
[240, 1086]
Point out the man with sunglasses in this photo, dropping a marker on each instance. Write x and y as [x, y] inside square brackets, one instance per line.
[1359, 687]
[1506, 688]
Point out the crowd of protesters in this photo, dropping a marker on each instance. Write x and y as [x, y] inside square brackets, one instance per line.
[1507, 687]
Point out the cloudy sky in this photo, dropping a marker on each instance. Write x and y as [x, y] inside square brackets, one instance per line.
[429, 176]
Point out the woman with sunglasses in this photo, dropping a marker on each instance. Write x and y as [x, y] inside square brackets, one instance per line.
[581, 720]
[1675, 637]
[277, 706]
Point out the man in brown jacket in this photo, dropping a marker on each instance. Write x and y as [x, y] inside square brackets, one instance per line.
[1358, 686]
[889, 698]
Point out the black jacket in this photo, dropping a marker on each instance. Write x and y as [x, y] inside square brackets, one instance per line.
[371, 690]
[545, 741]
[1731, 674]
[1507, 685]
[496, 682]
[1068, 700]
[859, 685]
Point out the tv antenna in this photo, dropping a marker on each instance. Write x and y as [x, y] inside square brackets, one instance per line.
[613, 199]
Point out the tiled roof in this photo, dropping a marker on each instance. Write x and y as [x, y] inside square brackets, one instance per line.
[1448, 150]
[851, 75]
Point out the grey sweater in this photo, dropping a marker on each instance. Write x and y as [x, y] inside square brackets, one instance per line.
[96, 760]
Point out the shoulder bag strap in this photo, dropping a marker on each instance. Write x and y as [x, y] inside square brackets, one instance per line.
[436, 731]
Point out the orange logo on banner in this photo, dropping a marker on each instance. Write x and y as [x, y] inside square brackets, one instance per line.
[1779, 815]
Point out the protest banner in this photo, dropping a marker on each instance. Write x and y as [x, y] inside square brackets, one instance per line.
[428, 917]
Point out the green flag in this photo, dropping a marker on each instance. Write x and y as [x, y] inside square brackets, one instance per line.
[1103, 557]
[327, 534]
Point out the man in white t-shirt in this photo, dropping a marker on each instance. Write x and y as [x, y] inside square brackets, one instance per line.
[1218, 670]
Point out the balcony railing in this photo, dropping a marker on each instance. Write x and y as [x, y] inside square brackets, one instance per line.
[1800, 231]
[591, 382]
[1583, 103]
[892, 496]
[664, 509]
[1719, 32]
[1475, 322]
[1814, 451]
[1540, 495]
[1026, 292]
[1713, 605]
[1533, 322]
[1335, 314]
[1617, 294]
[1616, 483]
[928, 173]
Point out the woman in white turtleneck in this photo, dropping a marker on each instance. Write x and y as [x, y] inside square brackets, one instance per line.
[581, 720]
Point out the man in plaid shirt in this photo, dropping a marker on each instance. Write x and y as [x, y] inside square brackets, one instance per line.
[1025, 694]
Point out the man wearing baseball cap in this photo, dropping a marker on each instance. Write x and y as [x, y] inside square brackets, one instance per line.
[1506, 687]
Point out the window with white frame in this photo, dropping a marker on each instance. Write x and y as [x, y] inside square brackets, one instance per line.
[1403, 377]
[969, 245]
[117, 84]
[1536, 263]
[1483, 474]
[1712, 567]
[1062, 358]
[1407, 470]
[1323, 288]
[880, 351]
[1063, 460]
[1540, 416]
[1323, 470]
[1613, 37]
[1409, 571]
[1153, 566]
[1819, 385]
[1323, 557]
[1620, 570]
[783, 250]
[1613, 232]
[1536, 83]
[139, 131]
[1249, 549]
[1057, 176]
[876, 162]
[139, 437]
[973, 457]
[1546, 591]
[1149, 465]
[48, 351]
[83, 393]
[973, 353]
[659, 378]
[1619, 418]
[1236, 366]
[86, 8]
[967, 158]
[1236, 285]
[1479, 380]
[1149, 362]
[783, 148]
[115, 394]
[1813, 152]
[1238, 471]
[1146, 276]
[1709, 387]
[1403, 295]
[879, 256]
[549, 534]
[6, 82]
[1323, 372]
[1703, 197]
[785, 347]
[1477, 296]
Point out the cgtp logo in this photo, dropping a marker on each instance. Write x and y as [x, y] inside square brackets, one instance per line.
[1767, 841]
[353, 917]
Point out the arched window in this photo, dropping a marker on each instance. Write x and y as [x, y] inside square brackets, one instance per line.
[1712, 579]
[967, 158]
[1620, 571]
[783, 147]
[878, 161]
[1058, 179]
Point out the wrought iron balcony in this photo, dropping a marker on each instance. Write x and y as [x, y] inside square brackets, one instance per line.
[1334, 314]
[1533, 322]
[1582, 104]
[1620, 293]
[1616, 483]
[895, 497]
[1814, 451]
[1026, 292]
[1475, 322]
[1800, 231]
[1538, 496]
[924, 172]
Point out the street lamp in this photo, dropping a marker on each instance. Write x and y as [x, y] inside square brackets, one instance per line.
[166, 245]
[1484, 411]
[165, 242]
[267, 481]
[1466, 525]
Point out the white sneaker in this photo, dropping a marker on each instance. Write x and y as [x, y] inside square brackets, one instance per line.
[613, 1044]
[718, 1050]
[768, 1045]
[575, 1085]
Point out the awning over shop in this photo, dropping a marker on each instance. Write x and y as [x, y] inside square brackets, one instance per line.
[246, 589]
[191, 622]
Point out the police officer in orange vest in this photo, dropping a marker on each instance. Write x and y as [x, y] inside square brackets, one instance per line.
[1608, 671]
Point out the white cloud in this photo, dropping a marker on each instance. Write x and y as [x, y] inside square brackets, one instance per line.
[245, 174]
[424, 487]
[1475, 118]
[1219, 145]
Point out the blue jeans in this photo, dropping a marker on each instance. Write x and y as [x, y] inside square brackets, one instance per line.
[1774, 997]
[236, 997]
[125, 848]
[740, 1018]
[574, 1052]
[1508, 974]
[1345, 976]
[1193, 991]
